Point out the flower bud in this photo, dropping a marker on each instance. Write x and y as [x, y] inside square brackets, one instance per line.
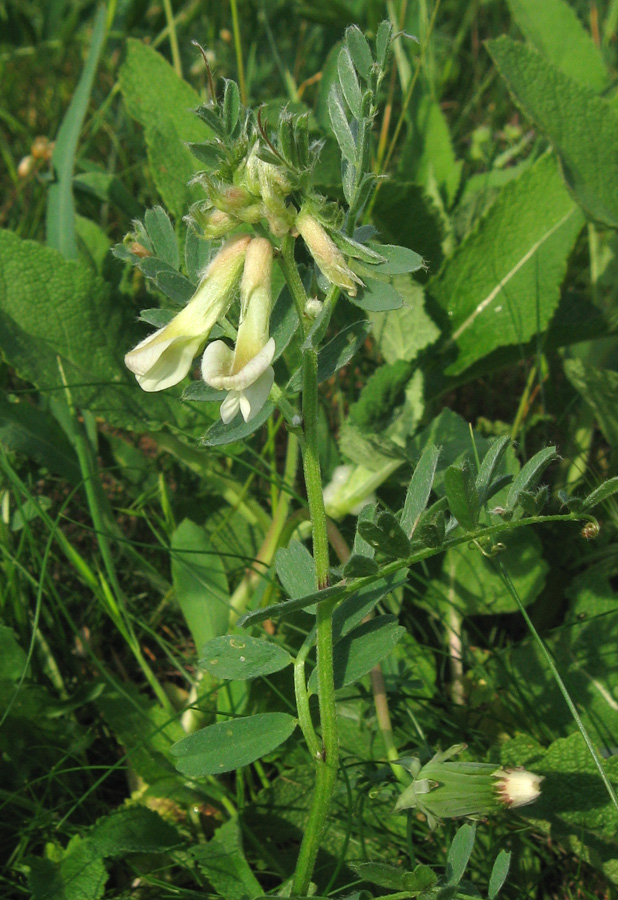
[325, 252]
[443, 789]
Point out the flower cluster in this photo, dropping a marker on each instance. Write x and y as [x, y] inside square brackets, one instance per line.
[165, 357]
[444, 789]
[248, 184]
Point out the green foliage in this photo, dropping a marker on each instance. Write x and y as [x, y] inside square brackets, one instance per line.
[162, 103]
[585, 140]
[145, 738]
[228, 745]
[200, 583]
[502, 284]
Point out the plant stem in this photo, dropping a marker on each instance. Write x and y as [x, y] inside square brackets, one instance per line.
[169, 18]
[327, 757]
[238, 50]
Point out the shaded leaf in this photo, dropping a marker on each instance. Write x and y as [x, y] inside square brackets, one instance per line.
[242, 657]
[586, 139]
[229, 745]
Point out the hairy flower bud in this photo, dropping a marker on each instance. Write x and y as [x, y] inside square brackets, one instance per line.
[325, 252]
[443, 789]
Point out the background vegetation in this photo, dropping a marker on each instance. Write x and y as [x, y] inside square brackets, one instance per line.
[498, 134]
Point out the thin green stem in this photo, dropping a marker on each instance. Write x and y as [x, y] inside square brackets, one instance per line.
[238, 49]
[171, 24]
[326, 757]
[557, 678]
[302, 697]
[288, 266]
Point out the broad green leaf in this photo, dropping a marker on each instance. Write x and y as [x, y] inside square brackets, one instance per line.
[472, 585]
[502, 284]
[348, 80]
[341, 126]
[398, 260]
[499, 873]
[296, 569]
[586, 653]
[605, 490]
[161, 233]
[229, 745]
[382, 393]
[419, 489]
[461, 493]
[574, 801]
[488, 467]
[79, 875]
[377, 296]
[360, 50]
[33, 432]
[530, 474]
[60, 223]
[231, 106]
[200, 583]
[144, 730]
[427, 154]
[582, 126]
[82, 330]
[222, 861]
[242, 657]
[280, 610]
[599, 389]
[134, 829]
[403, 333]
[459, 853]
[108, 188]
[404, 214]
[163, 104]
[353, 610]
[362, 649]
[554, 28]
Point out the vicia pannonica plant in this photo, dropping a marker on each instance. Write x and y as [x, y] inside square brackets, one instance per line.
[267, 261]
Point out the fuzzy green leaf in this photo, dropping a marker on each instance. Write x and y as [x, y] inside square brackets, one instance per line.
[530, 474]
[554, 28]
[163, 104]
[419, 489]
[502, 284]
[161, 233]
[462, 495]
[82, 330]
[223, 862]
[585, 138]
[362, 649]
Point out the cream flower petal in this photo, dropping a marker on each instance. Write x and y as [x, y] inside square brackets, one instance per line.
[164, 358]
[217, 364]
[230, 407]
[253, 398]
